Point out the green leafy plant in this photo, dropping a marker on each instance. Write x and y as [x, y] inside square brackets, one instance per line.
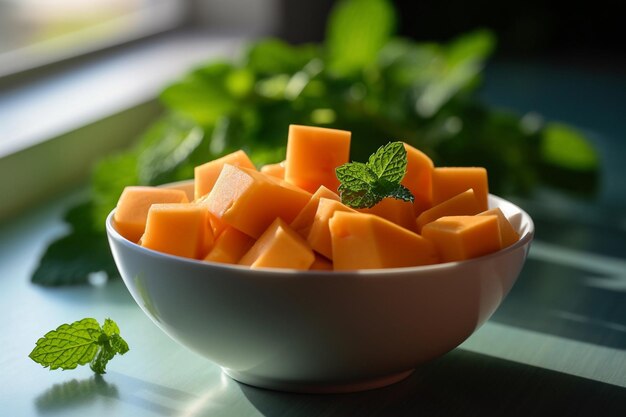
[80, 343]
[362, 79]
[365, 185]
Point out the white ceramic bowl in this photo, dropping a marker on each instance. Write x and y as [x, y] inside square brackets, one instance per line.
[320, 331]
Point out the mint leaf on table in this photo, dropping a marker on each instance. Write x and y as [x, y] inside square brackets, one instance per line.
[80, 343]
[365, 185]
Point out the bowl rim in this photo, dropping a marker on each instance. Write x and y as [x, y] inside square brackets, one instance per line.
[526, 238]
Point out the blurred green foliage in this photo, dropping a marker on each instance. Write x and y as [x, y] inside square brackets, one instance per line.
[362, 79]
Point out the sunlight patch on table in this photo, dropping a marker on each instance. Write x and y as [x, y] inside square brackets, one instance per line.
[598, 363]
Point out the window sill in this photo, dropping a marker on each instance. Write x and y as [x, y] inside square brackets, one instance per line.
[54, 128]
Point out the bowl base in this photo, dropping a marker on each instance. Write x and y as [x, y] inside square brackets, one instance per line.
[318, 388]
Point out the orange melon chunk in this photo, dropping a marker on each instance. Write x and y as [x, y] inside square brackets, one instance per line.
[304, 219]
[321, 264]
[313, 154]
[178, 229]
[396, 211]
[418, 178]
[230, 246]
[450, 181]
[464, 204]
[187, 186]
[464, 237]
[319, 234]
[132, 208]
[366, 241]
[275, 170]
[217, 225]
[508, 235]
[279, 247]
[250, 201]
[205, 175]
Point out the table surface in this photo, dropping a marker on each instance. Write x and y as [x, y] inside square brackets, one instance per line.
[556, 344]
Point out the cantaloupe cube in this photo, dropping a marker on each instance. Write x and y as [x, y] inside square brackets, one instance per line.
[250, 201]
[313, 154]
[508, 235]
[230, 246]
[304, 219]
[217, 224]
[132, 208]
[450, 181]
[178, 229]
[365, 241]
[275, 170]
[279, 247]
[397, 211]
[464, 237]
[205, 175]
[418, 178]
[464, 204]
[321, 263]
[319, 233]
[188, 187]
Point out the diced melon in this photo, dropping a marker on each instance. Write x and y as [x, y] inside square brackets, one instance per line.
[321, 263]
[508, 235]
[418, 178]
[187, 187]
[397, 211]
[205, 175]
[279, 247]
[366, 241]
[313, 154]
[464, 237]
[275, 170]
[217, 224]
[304, 219]
[464, 204]
[319, 233]
[178, 229]
[132, 208]
[230, 246]
[450, 181]
[249, 201]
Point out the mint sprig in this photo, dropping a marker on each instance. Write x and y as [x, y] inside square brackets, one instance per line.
[365, 185]
[80, 343]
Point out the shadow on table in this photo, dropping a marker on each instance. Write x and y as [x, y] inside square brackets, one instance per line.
[569, 302]
[461, 383]
[76, 394]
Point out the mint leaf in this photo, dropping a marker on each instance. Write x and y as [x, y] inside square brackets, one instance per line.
[203, 95]
[118, 344]
[356, 176]
[72, 258]
[274, 56]
[357, 30]
[365, 185]
[389, 162]
[399, 192]
[100, 360]
[566, 147]
[110, 328]
[79, 343]
[358, 198]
